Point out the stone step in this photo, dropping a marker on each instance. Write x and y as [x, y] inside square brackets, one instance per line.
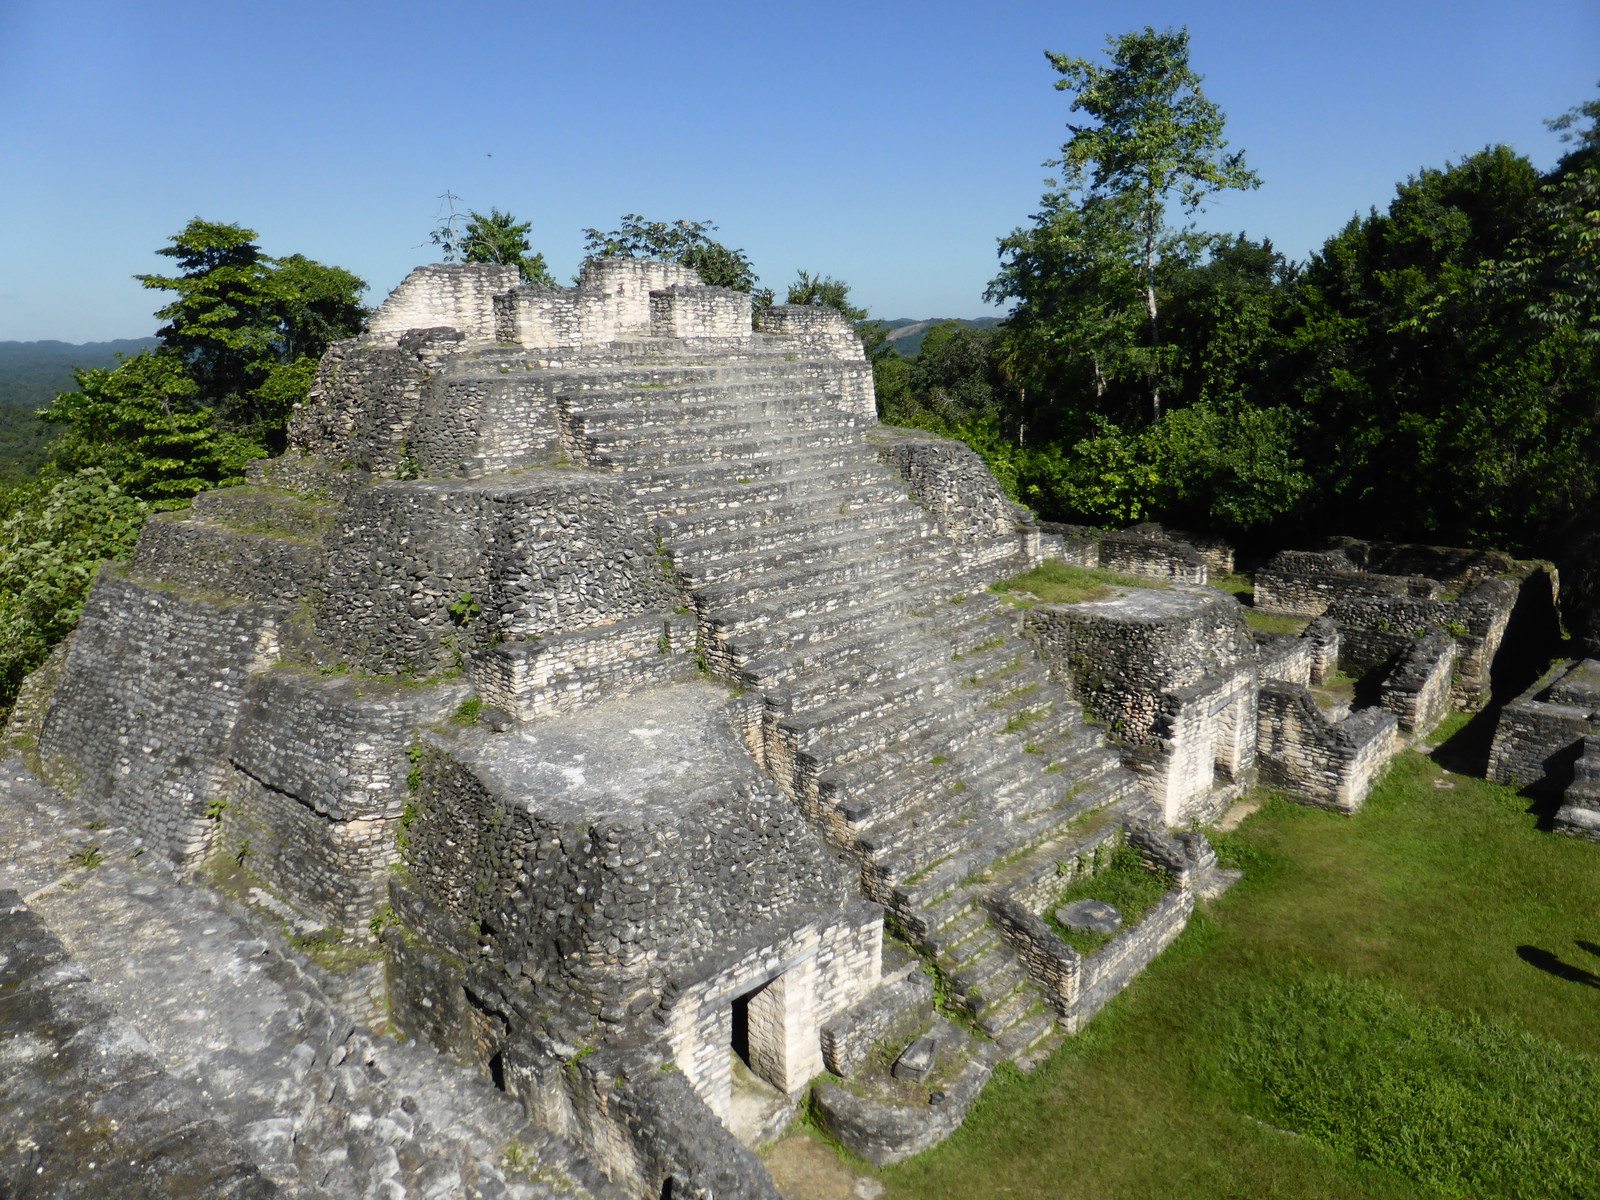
[775, 546]
[777, 503]
[867, 573]
[738, 429]
[776, 553]
[1031, 1040]
[699, 403]
[945, 940]
[692, 487]
[264, 510]
[752, 446]
[811, 676]
[997, 1015]
[765, 628]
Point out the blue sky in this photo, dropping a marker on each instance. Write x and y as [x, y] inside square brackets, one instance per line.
[888, 145]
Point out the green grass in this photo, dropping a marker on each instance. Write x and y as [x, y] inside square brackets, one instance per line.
[1125, 883]
[1054, 582]
[1274, 622]
[1363, 1015]
[1242, 586]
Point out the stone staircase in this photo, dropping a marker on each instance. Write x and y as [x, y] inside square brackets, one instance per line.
[901, 707]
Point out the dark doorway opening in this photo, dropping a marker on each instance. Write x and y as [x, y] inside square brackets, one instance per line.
[497, 1069]
[741, 1026]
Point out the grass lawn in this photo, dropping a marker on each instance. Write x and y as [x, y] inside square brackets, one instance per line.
[1054, 582]
[1402, 1003]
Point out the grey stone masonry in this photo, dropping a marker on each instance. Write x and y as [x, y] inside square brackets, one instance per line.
[1417, 691]
[1173, 673]
[1539, 736]
[1333, 764]
[454, 295]
[600, 656]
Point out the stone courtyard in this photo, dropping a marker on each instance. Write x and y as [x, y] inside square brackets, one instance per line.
[624, 720]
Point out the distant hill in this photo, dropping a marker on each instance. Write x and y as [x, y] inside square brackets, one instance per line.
[906, 334]
[31, 373]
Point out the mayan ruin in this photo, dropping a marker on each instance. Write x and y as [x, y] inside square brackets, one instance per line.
[638, 710]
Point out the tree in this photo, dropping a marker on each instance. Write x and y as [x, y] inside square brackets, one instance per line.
[237, 352]
[686, 242]
[824, 290]
[1158, 139]
[499, 238]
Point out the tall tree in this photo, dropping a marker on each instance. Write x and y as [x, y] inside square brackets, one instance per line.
[238, 350]
[500, 238]
[1158, 139]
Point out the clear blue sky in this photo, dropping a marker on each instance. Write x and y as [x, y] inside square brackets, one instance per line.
[888, 145]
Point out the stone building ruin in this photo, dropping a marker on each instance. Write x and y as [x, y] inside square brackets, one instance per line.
[639, 715]
[597, 660]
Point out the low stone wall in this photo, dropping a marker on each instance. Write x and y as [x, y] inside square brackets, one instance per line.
[1303, 583]
[455, 295]
[1540, 734]
[1377, 630]
[1417, 691]
[1148, 558]
[1579, 814]
[1329, 764]
[900, 1003]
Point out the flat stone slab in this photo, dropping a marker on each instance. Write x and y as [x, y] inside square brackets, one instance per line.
[664, 748]
[1090, 916]
[1152, 604]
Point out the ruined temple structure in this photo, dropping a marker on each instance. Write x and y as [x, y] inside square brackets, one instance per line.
[599, 663]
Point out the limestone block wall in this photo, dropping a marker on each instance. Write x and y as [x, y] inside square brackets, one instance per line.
[1303, 583]
[700, 312]
[562, 672]
[1149, 558]
[365, 398]
[1539, 735]
[1290, 659]
[1325, 763]
[599, 912]
[544, 318]
[630, 281]
[960, 493]
[452, 295]
[495, 418]
[214, 559]
[320, 784]
[1417, 691]
[151, 687]
[551, 553]
[1374, 630]
[790, 988]
[896, 1007]
[820, 330]
[1215, 551]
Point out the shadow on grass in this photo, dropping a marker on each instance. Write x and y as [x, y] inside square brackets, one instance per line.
[1466, 752]
[1551, 965]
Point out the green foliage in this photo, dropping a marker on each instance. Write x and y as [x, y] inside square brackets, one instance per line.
[686, 242]
[464, 609]
[237, 352]
[824, 290]
[1157, 139]
[50, 545]
[1465, 1104]
[498, 238]
[88, 857]
[469, 711]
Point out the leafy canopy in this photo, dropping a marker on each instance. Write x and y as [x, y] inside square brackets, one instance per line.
[236, 353]
[686, 242]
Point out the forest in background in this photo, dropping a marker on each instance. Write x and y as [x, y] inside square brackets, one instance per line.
[1430, 374]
